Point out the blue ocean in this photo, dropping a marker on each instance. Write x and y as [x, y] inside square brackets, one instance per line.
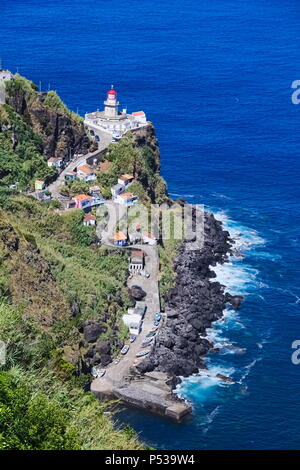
[215, 78]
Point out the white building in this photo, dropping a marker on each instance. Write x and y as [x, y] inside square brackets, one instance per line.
[136, 262]
[89, 220]
[117, 189]
[134, 323]
[124, 180]
[86, 173]
[57, 162]
[149, 239]
[5, 76]
[111, 120]
[140, 116]
[125, 199]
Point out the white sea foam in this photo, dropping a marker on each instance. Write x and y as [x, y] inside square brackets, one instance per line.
[239, 279]
[197, 385]
[247, 370]
[244, 237]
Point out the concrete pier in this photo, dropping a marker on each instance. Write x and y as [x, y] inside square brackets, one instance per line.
[149, 392]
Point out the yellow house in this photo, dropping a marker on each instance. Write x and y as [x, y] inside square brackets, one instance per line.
[39, 185]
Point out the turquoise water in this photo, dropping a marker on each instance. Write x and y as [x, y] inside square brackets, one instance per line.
[215, 79]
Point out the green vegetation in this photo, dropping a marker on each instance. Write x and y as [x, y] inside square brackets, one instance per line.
[32, 422]
[13, 87]
[52, 279]
[172, 233]
[53, 101]
[56, 281]
[140, 160]
[73, 187]
[20, 152]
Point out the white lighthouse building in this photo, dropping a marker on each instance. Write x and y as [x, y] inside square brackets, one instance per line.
[112, 121]
[111, 104]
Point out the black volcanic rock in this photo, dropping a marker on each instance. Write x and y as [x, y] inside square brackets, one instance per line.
[91, 332]
[137, 293]
[197, 301]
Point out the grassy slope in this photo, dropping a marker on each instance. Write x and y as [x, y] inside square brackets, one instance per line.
[52, 279]
[47, 265]
[21, 158]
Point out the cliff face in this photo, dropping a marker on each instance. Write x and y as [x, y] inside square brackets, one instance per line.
[145, 140]
[136, 153]
[59, 129]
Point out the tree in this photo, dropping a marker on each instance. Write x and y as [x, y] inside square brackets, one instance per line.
[32, 422]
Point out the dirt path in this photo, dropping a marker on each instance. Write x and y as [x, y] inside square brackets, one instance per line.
[54, 187]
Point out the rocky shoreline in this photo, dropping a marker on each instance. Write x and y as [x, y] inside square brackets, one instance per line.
[191, 306]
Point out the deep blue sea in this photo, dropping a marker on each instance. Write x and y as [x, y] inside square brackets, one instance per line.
[215, 78]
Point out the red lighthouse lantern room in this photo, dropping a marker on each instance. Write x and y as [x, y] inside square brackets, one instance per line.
[112, 94]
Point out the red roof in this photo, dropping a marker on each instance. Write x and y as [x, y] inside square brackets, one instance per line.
[82, 197]
[138, 253]
[149, 235]
[119, 236]
[138, 113]
[89, 217]
[111, 92]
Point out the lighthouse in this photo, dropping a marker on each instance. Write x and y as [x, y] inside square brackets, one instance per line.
[110, 121]
[111, 104]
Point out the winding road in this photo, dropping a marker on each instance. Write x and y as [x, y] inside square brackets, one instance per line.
[119, 370]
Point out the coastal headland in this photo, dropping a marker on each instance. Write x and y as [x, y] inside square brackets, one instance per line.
[84, 286]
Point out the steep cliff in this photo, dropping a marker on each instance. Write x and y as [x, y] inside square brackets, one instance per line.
[62, 297]
[62, 132]
[138, 154]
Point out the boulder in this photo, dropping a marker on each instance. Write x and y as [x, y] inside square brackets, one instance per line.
[137, 293]
[91, 332]
[225, 378]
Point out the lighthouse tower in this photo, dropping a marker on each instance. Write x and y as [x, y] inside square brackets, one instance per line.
[111, 104]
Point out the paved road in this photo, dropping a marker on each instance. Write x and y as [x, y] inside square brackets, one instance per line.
[54, 187]
[116, 373]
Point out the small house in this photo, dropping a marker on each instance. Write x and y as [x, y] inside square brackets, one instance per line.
[5, 75]
[149, 239]
[39, 185]
[135, 237]
[140, 116]
[86, 173]
[56, 162]
[70, 175]
[89, 220]
[82, 201]
[124, 180]
[136, 261]
[126, 199]
[69, 205]
[120, 239]
[134, 323]
[95, 191]
[117, 189]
